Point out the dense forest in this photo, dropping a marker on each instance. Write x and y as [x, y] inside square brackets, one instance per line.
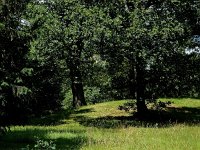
[58, 54]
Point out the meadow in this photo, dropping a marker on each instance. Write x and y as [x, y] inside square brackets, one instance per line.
[104, 127]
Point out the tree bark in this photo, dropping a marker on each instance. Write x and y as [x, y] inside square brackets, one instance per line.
[75, 75]
[132, 83]
[140, 86]
[77, 89]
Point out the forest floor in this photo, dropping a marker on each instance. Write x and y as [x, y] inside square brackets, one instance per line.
[104, 127]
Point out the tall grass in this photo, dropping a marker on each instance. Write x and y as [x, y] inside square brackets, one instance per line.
[104, 127]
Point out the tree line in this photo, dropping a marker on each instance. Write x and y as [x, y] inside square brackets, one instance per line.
[74, 52]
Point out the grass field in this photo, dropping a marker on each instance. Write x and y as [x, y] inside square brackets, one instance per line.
[103, 127]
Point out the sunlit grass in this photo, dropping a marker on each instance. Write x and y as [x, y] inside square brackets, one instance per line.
[77, 131]
[178, 137]
[104, 109]
[183, 102]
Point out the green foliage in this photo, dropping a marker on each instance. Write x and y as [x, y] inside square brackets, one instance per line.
[42, 144]
[68, 98]
[93, 95]
[152, 104]
[155, 33]
[13, 49]
[97, 49]
[47, 73]
[46, 145]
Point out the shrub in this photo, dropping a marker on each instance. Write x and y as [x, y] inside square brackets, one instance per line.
[42, 145]
[153, 104]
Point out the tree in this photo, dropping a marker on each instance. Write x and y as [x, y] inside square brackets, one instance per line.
[154, 35]
[72, 37]
[48, 73]
[145, 33]
[13, 49]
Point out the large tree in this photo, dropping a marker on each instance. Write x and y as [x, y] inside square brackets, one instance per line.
[14, 46]
[72, 36]
[144, 33]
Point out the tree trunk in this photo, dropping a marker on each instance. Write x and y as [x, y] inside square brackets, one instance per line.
[132, 83]
[77, 91]
[140, 88]
[75, 75]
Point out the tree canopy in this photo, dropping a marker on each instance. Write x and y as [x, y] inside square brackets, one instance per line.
[71, 52]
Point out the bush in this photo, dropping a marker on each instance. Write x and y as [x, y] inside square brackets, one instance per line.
[42, 145]
[92, 94]
[153, 104]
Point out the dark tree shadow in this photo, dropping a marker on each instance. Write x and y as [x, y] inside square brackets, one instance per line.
[20, 139]
[50, 119]
[158, 119]
[56, 118]
[188, 115]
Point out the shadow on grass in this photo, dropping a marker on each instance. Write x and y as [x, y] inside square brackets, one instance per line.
[188, 115]
[159, 119]
[51, 119]
[57, 118]
[19, 139]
